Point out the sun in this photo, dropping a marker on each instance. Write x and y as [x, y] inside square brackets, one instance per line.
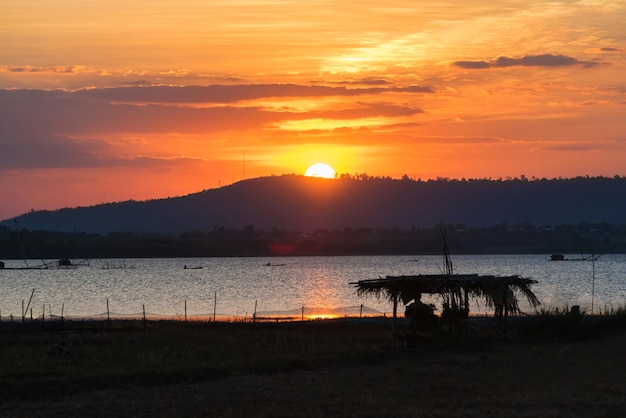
[321, 170]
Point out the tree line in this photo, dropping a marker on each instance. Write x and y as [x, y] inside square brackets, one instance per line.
[523, 238]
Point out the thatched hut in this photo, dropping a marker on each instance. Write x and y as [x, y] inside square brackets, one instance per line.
[455, 290]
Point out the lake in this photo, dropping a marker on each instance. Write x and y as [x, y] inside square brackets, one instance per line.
[290, 286]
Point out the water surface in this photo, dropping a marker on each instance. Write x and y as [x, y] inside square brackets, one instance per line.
[239, 287]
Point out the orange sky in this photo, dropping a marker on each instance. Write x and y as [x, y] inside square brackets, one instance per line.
[117, 100]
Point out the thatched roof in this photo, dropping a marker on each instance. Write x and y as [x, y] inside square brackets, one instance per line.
[495, 290]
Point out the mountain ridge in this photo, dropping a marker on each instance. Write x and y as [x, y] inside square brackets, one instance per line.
[301, 203]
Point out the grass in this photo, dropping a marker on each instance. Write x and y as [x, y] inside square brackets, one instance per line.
[339, 368]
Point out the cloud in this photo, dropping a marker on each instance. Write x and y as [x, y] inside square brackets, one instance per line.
[368, 110]
[545, 60]
[572, 148]
[364, 81]
[473, 65]
[28, 148]
[52, 69]
[41, 128]
[74, 114]
[232, 93]
[402, 125]
[604, 50]
[460, 140]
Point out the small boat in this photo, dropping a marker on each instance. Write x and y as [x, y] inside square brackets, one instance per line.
[27, 267]
[561, 257]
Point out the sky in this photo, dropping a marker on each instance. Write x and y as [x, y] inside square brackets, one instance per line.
[106, 101]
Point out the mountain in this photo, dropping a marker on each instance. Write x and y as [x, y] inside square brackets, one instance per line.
[301, 203]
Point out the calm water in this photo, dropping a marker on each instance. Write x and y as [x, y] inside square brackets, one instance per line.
[234, 286]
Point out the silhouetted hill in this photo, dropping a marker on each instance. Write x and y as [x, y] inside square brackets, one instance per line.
[301, 203]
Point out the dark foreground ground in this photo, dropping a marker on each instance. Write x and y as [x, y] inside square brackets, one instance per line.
[334, 368]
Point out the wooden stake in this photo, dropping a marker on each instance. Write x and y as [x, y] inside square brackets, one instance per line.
[215, 306]
[24, 311]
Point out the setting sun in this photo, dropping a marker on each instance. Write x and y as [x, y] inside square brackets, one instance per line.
[321, 170]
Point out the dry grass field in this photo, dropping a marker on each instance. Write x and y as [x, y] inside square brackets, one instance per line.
[338, 368]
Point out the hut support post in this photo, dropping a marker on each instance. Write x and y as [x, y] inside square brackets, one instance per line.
[394, 320]
[466, 299]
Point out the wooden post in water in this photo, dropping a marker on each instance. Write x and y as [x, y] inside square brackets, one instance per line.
[144, 317]
[303, 314]
[254, 314]
[108, 314]
[593, 279]
[185, 310]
